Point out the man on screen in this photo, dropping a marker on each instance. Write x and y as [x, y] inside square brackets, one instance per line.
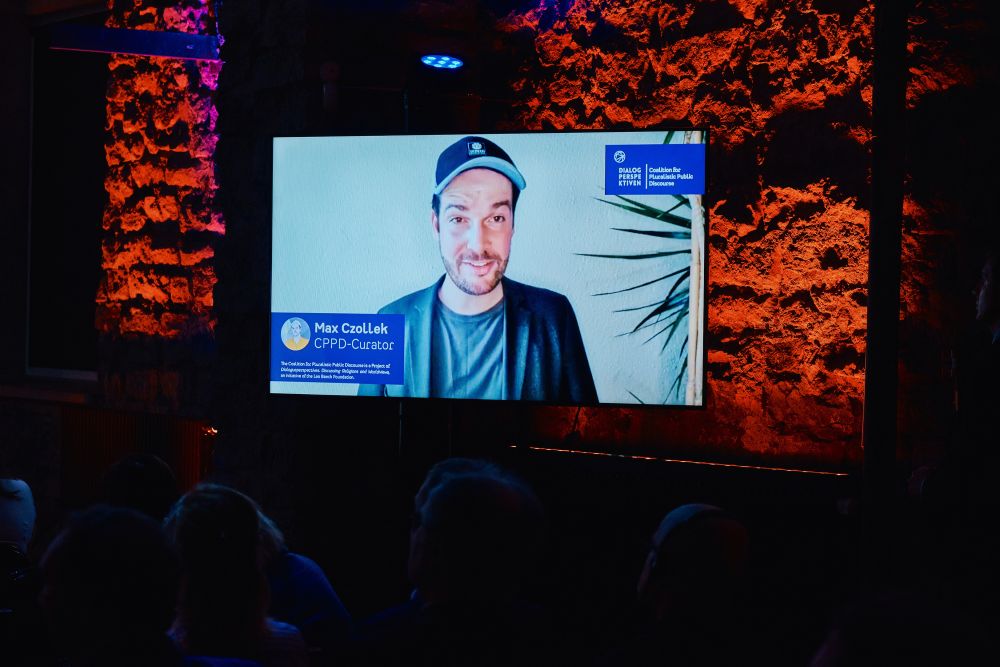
[475, 333]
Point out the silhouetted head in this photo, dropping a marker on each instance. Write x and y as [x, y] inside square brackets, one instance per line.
[223, 597]
[696, 562]
[109, 577]
[143, 482]
[474, 537]
[452, 467]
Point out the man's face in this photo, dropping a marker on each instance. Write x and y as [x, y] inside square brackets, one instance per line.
[987, 306]
[296, 328]
[474, 229]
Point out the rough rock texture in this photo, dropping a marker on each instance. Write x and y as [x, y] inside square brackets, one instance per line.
[786, 93]
[161, 223]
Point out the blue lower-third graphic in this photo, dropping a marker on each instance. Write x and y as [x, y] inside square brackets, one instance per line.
[337, 347]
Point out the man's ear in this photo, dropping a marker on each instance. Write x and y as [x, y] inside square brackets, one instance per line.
[434, 224]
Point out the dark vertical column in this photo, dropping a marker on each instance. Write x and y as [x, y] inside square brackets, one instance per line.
[15, 113]
[885, 233]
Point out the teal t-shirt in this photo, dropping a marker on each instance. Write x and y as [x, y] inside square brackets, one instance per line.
[467, 353]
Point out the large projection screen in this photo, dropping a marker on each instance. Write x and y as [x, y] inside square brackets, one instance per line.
[608, 231]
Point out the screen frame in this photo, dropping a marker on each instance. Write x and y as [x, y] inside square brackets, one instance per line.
[705, 270]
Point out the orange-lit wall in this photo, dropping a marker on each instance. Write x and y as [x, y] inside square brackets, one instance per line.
[787, 92]
[161, 223]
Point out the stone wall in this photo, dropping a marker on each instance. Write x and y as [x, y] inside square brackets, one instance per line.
[161, 224]
[786, 92]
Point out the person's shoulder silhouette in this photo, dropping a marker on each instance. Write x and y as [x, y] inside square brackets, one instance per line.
[222, 606]
[109, 589]
[476, 532]
[690, 594]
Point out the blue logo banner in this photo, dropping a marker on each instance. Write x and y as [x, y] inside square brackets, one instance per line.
[337, 347]
[654, 169]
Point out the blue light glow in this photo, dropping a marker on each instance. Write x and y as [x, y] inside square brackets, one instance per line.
[441, 61]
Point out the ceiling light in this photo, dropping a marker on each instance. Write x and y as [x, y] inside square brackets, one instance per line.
[441, 61]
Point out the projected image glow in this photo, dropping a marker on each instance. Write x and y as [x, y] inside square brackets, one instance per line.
[561, 267]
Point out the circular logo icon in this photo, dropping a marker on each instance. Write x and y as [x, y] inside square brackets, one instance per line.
[295, 333]
[619, 156]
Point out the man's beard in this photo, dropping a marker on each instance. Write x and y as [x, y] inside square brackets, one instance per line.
[475, 287]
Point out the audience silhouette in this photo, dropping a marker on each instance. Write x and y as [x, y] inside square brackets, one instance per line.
[143, 482]
[476, 532]
[109, 589]
[17, 513]
[957, 480]
[956, 499]
[205, 579]
[452, 467]
[223, 597]
[690, 592]
[301, 593]
[975, 500]
[20, 623]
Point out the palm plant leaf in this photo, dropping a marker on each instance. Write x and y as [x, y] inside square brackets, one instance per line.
[677, 381]
[650, 255]
[659, 319]
[683, 343]
[667, 314]
[635, 308]
[658, 234]
[673, 329]
[669, 329]
[677, 301]
[663, 215]
[677, 283]
[649, 282]
[680, 203]
[665, 307]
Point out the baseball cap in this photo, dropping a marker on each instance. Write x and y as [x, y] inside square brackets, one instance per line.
[472, 153]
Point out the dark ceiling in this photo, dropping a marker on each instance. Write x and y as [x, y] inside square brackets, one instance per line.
[372, 50]
[379, 43]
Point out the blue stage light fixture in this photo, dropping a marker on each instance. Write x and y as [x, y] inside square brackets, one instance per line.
[441, 62]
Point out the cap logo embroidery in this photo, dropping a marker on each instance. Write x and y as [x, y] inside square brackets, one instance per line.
[476, 148]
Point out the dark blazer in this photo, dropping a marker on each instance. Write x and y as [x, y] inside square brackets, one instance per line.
[546, 360]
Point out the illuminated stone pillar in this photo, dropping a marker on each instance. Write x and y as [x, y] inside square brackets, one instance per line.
[155, 300]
